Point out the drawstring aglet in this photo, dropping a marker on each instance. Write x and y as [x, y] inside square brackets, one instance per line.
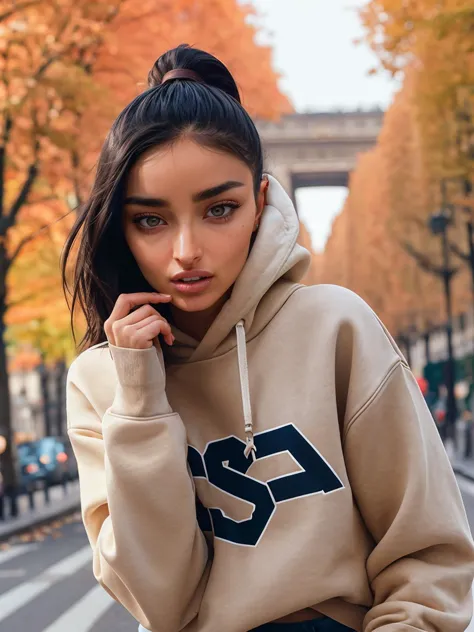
[250, 448]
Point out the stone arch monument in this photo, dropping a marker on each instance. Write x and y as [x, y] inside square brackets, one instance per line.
[317, 149]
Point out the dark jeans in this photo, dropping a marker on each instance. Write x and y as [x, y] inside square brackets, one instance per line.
[316, 625]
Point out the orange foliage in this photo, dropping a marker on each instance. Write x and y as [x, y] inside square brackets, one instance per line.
[25, 360]
[390, 198]
[435, 40]
[222, 27]
[304, 238]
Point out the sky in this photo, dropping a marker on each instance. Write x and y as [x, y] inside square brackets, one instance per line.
[322, 69]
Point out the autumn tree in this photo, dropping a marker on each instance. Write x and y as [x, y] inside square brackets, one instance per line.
[386, 206]
[42, 87]
[431, 43]
[427, 139]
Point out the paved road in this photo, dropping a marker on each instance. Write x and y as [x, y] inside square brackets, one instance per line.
[47, 586]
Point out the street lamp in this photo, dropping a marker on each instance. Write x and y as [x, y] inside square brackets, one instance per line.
[467, 210]
[438, 224]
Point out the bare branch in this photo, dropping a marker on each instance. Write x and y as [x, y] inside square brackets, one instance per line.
[46, 198]
[36, 75]
[47, 63]
[421, 259]
[31, 237]
[460, 253]
[26, 298]
[7, 127]
[18, 7]
[9, 220]
[426, 264]
[23, 299]
[3, 159]
[21, 245]
[75, 159]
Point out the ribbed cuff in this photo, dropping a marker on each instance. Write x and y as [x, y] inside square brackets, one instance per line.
[141, 383]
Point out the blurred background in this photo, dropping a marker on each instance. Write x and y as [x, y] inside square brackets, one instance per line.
[366, 112]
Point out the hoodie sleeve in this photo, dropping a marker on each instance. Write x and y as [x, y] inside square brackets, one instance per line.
[422, 565]
[137, 496]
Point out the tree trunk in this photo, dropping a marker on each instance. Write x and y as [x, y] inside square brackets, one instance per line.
[46, 400]
[61, 397]
[9, 457]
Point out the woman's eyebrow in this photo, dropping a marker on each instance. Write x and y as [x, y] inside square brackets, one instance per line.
[217, 190]
[197, 197]
[142, 201]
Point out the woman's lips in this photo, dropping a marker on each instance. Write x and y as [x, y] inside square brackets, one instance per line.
[193, 287]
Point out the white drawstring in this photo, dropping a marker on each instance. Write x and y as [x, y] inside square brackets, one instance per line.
[244, 386]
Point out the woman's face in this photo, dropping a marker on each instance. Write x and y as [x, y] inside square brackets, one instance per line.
[190, 211]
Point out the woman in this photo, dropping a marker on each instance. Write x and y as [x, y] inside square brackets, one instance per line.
[218, 396]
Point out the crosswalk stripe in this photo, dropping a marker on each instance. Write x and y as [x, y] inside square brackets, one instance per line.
[84, 613]
[9, 573]
[17, 597]
[15, 551]
[470, 628]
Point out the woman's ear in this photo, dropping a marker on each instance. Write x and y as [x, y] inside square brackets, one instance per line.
[261, 201]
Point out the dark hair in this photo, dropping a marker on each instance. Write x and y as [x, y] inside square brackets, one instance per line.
[210, 112]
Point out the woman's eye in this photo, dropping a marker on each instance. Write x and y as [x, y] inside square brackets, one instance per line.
[152, 221]
[222, 210]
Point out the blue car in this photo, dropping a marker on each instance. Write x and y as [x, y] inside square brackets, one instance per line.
[31, 476]
[49, 461]
[56, 460]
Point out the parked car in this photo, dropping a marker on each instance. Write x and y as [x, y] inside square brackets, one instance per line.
[48, 460]
[31, 476]
[56, 459]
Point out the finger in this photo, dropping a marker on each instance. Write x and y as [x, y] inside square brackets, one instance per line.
[121, 306]
[138, 315]
[126, 302]
[138, 319]
[154, 329]
[165, 329]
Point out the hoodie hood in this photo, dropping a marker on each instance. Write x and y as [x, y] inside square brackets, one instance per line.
[275, 263]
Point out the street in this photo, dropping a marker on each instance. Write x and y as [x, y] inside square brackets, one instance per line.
[47, 586]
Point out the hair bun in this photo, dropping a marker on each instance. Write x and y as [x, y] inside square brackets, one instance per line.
[211, 71]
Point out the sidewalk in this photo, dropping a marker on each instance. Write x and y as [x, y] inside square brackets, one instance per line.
[464, 467]
[461, 465]
[60, 504]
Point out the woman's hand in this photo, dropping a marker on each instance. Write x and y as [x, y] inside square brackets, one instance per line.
[137, 329]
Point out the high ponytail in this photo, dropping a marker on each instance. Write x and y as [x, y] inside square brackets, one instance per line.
[212, 71]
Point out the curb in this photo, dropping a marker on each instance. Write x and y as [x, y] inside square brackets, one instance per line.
[460, 471]
[8, 531]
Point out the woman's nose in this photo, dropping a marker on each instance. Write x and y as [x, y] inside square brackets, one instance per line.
[187, 249]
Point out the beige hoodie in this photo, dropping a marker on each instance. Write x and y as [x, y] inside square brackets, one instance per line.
[321, 478]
